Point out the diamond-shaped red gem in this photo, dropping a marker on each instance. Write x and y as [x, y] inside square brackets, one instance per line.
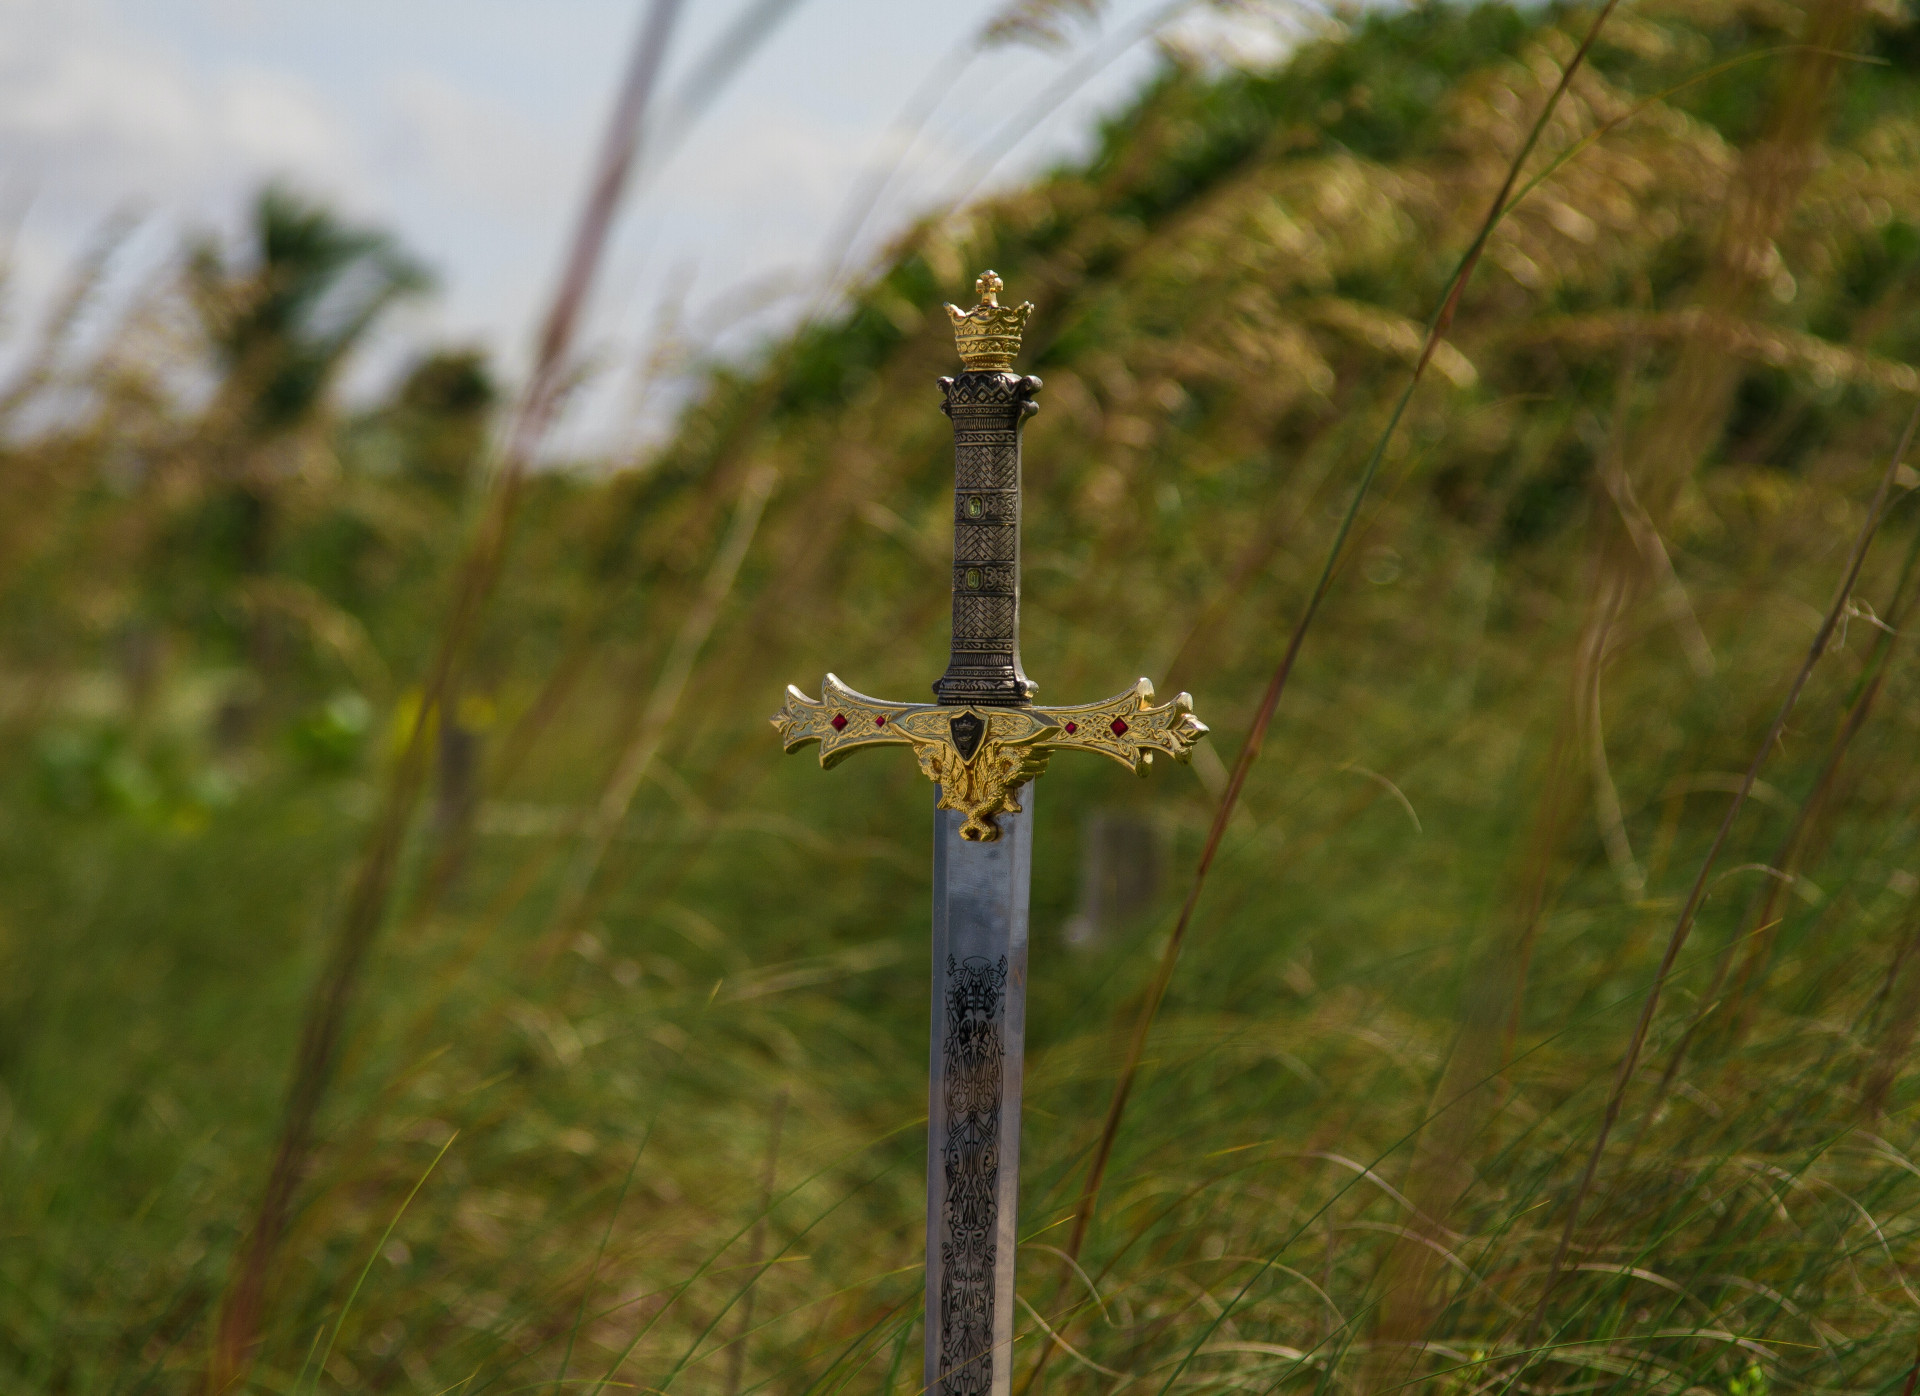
[839, 721]
[880, 721]
[1072, 727]
[1119, 725]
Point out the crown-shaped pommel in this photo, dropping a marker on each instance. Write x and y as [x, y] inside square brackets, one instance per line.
[988, 336]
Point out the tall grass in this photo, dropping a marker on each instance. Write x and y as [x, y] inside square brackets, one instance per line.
[474, 579]
[1352, 1150]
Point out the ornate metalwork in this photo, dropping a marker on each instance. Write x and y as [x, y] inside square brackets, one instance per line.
[988, 336]
[981, 742]
[974, 1054]
[987, 404]
[984, 739]
[987, 408]
[980, 756]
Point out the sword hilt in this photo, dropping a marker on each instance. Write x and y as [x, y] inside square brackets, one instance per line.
[987, 407]
[984, 740]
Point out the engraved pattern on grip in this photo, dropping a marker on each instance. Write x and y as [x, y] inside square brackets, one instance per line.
[978, 682]
[984, 506]
[993, 389]
[984, 543]
[987, 409]
[985, 464]
[992, 578]
[982, 618]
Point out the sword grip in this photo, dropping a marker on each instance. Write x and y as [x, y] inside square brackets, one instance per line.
[987, 408]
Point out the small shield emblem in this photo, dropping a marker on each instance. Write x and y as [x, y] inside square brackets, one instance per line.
[967, 729]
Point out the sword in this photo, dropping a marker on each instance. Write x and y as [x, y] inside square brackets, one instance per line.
[982, 743]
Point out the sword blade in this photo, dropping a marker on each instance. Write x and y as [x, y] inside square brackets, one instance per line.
[973, 1132]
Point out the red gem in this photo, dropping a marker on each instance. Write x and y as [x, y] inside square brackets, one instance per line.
[880, 721]
[1119, 725]
[839, 721]
[1072, 727]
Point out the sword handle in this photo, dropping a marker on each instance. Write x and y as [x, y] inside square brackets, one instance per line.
[987, 407]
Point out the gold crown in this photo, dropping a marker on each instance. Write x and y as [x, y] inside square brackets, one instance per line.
[988, 336]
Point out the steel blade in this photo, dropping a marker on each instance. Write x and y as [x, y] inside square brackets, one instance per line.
[973, 1133]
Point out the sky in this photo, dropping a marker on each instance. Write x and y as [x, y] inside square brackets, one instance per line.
[466, 128]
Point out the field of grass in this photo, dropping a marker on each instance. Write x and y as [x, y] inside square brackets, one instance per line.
[630, 1093]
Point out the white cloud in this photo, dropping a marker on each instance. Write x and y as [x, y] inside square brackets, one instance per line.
[92, 111]
[473, 149]
[264, 120]
[96, 116]
[466, 127]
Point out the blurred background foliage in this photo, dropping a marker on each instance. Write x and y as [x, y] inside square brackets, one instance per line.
[664, 990]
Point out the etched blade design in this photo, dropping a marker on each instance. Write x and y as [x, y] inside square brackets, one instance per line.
[973, 1157]
[975, 1060]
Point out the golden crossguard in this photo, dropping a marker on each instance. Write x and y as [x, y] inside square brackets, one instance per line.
[981, 756]
[984, 739]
